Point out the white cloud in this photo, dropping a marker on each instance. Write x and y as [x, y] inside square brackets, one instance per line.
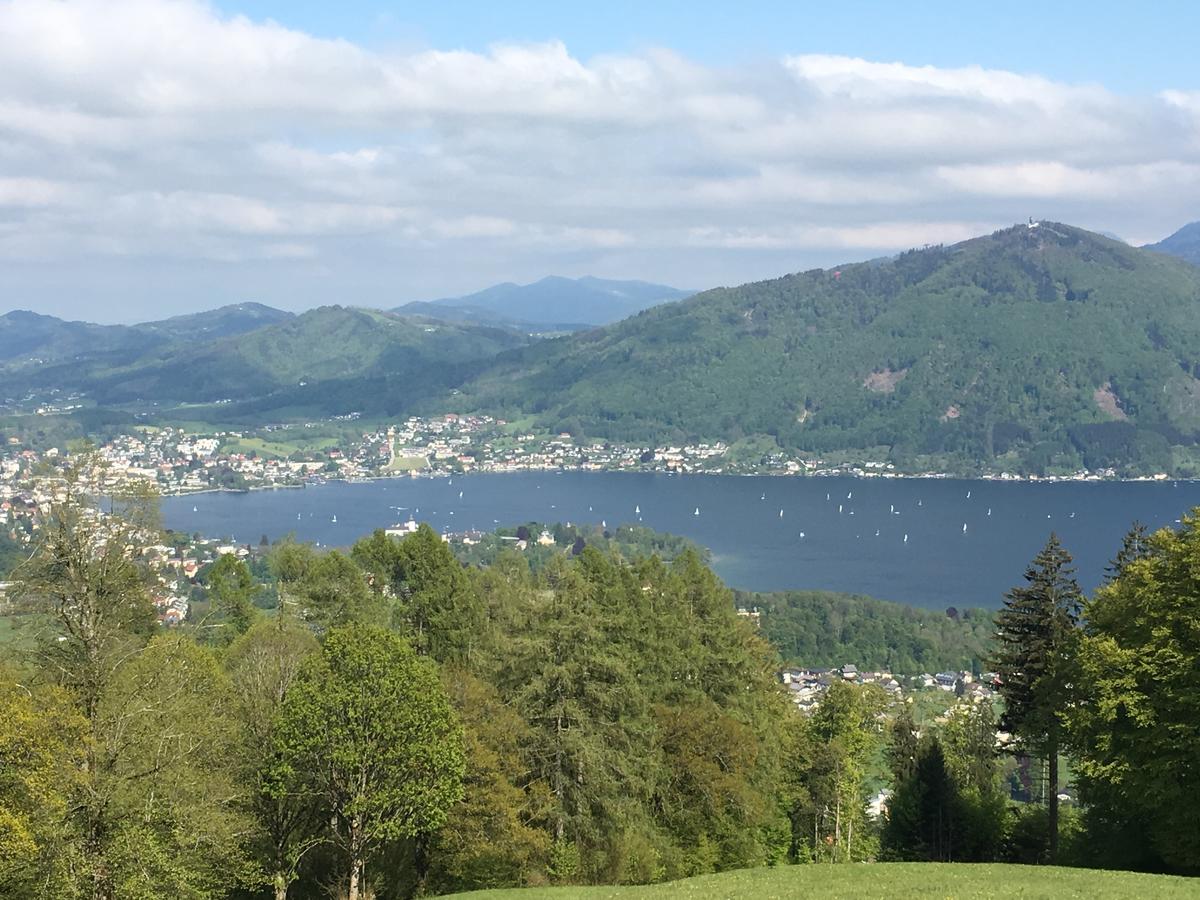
[162, 130]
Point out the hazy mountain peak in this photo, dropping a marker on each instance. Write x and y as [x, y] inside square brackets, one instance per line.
[552, 303]
[1184, 243]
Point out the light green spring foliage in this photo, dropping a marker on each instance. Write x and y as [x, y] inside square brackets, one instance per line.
[367, 726]
[164, 787]
[42, 739]
[1137, 728]
[263, 664]
[828, 757]
[232, 589]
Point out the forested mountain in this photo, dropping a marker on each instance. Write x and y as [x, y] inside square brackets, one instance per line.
[1184, 243]
[552, 304]
[29, 338]
[328, 360]
[225, 321]
[1034, 348]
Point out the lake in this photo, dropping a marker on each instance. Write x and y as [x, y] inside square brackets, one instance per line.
[926, 542]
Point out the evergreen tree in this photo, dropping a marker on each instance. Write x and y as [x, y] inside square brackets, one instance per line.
[902, 746]
[923, 813]
[491, 838]
[436, 601]
[590, 727]
[1036, 630]
[1134, 546]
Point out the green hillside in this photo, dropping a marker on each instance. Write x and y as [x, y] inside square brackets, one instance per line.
[29, 338]
[823, 628]
[1034, 348]
[33, 339]
[329, 360]
[885, 881]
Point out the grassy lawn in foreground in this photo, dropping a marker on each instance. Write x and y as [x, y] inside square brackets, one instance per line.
[885, 881]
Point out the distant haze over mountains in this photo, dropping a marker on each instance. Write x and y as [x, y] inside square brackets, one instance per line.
[552, 304]
[1184, 243]
[30, 336]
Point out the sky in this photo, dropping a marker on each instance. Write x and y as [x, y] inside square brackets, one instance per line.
[165, 156]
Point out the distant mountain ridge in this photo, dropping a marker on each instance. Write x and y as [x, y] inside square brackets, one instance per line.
[1184, 243]
[552, 304]
[329, 360]
[34, 338]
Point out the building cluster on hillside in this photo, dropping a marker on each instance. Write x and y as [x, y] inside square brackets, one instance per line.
[485, 444]
[31, 482]
[806, 686]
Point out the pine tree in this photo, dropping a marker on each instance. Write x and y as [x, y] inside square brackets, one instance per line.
[1134, 545]
[1036, 631]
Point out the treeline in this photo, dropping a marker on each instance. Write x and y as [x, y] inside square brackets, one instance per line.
[822, 628]
[400, 724]
[1110, 684]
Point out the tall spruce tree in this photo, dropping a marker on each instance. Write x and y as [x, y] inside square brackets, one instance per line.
[1036, 631]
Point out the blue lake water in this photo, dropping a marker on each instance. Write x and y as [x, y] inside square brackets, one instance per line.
[853, 541]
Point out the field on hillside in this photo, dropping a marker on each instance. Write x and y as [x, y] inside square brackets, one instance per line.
[886, 881]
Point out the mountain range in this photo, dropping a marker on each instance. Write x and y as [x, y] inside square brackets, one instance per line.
[1039, 348]
[552, 304]
[32, 338]
[325, 361]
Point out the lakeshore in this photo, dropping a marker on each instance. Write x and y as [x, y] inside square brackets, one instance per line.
[898, 539]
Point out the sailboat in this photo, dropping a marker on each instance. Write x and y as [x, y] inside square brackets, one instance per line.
[906, 539]
[781, 514]
[968, 495]
[460, 495]
[334, 520]
[697, 512]
[763, 497]
[989, 510]
[637, 510]
[964, 527]
[194, 509]
[802, 535]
